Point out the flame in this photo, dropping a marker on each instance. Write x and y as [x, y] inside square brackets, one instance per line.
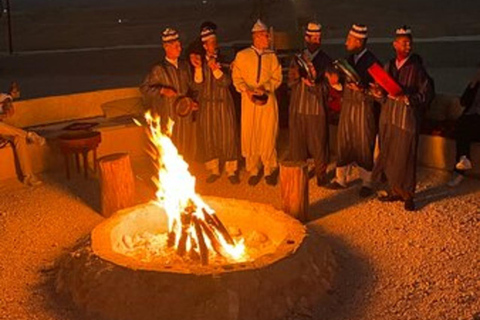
[176, 190]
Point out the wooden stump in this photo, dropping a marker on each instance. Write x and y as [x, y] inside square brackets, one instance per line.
[294, 189]
[117, 184]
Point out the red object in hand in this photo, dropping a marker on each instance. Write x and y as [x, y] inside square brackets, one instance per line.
[384, 80]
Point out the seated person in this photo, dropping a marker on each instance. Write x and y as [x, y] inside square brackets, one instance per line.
[19, 139]
[467, 129]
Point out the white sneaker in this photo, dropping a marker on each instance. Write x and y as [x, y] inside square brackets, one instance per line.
[32, 181]
[457, 178]
[32, 137]
[464, 164]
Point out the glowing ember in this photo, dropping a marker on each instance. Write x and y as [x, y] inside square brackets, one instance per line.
[193, 227]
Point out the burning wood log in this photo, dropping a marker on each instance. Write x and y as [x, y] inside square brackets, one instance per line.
[201, 242]
[217, 246]
[214, 221]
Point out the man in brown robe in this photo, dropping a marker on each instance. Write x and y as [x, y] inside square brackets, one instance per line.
[168, 82]
[216, 115]
[400, 121]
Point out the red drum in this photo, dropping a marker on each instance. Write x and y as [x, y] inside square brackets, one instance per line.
[384, 80]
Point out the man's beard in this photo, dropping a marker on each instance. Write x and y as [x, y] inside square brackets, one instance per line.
[312, 47]
[355, 50]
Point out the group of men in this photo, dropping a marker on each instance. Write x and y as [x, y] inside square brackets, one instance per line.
[367, 111]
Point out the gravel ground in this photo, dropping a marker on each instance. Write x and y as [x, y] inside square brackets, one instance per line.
[392, 264]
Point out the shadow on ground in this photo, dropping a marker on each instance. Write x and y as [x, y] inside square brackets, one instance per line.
[353, 281]
[442, 192]
[339, 200]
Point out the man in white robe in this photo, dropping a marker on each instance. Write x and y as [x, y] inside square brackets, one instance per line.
[256, 75]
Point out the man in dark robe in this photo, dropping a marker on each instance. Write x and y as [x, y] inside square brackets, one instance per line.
[400, 121]
[216, 115]
[308, 124]
[467, 129]
[168, 82]
[358, 125]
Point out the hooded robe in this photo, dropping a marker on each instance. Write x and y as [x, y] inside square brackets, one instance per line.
[357, 127]
[308, 126]
[400, 124]
[166, 75]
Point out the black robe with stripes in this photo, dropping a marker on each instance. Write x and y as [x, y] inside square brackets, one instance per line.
[400, 124]
[358, 125]
[165, 74]
[308, 126]
[218, 134]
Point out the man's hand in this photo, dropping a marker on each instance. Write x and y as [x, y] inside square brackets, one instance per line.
[213, 64]
[333, 78]
[168, 92]
[353, 86]
[196, 60]
[308, 83]
[376, 91]
[401, 98]
[195, 105]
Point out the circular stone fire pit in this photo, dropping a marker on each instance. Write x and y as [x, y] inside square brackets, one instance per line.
[288, 269]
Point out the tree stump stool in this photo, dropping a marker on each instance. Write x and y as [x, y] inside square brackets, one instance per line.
[79, 143]
[117, 184]
[294, 189]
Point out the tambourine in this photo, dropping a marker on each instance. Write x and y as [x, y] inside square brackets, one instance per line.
[303, 68]
[183, 106]
[346, 69]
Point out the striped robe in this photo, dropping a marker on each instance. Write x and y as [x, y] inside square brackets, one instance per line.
[216, 117]
[308, 126]
[400, 124]
[165, 74]
[357, 127]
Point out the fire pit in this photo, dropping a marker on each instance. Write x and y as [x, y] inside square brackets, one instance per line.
[290, 270]
[187, 257]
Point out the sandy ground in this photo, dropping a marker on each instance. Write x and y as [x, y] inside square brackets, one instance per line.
[392, 264]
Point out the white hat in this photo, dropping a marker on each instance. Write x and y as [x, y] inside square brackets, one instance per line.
[169, 35]
[207, 33]
[403, 31]
[313, 28]
[259, 26]
[359, 31]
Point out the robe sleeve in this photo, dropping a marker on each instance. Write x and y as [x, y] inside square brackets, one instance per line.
[425, 92]
[152, 84]
[293, 75]
[275, 79]
[237, 74]
[223, 79]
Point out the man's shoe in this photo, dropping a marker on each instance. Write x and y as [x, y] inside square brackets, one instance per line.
[32, 137]
[322, 180]
[365, 192]
[390, 198]
[32, 181]
[272, 179]
[212, 178]
[410, 205]
[234, 179]
[464, 163]
[254, 180]
[335, 185]
[457, 178]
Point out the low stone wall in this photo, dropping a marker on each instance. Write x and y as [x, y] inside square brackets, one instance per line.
[434, 151]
